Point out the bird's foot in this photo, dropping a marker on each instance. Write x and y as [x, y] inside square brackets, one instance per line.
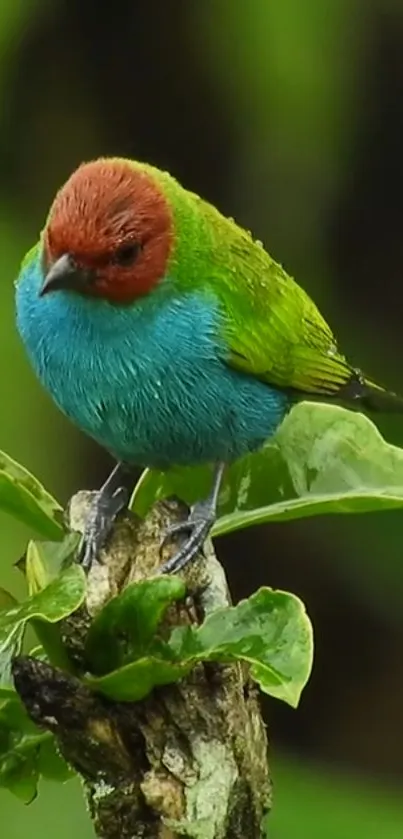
[197, 528]
[100, 520]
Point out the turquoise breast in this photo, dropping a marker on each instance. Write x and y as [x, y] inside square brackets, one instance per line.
[148, 381]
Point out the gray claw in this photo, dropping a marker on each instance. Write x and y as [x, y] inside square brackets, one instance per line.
[197, 526]
[101, 518]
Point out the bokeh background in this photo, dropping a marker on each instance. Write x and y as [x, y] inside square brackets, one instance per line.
[289, 116]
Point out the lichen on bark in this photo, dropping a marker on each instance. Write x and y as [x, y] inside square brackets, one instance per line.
[190, 759]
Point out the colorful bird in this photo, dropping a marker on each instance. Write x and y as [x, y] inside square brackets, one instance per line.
[164, 331]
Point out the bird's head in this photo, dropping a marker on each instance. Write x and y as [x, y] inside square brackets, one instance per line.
[109, 232]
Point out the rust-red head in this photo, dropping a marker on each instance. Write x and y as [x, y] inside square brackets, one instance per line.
[109, 233]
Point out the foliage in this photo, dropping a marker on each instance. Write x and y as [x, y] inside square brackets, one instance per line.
[26, 753]
[270, 631]
[324, 459]
[22, 496]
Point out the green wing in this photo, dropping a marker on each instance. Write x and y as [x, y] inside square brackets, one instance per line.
[270, 327]
[273, 329]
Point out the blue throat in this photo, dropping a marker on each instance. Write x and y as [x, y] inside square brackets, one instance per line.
[147, 381]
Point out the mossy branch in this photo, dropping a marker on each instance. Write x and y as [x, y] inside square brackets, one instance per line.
[191, 758]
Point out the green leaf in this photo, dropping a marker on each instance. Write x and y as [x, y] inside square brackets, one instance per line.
[7, 600]
[43, 561]
[39, 565]
[51, 764]
[60, 598]
[35, 570]
[39, 653]
[9, 646]
[136, 680]
[270, 631]
[51, 647]
[22, 496]
[189, 483]
[20, 741]
[19, 773]
[126, 626]
[6, 693]
[55, 556]
[26, 753]
[323, 459]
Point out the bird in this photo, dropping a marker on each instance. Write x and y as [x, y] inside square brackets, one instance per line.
[164, 331]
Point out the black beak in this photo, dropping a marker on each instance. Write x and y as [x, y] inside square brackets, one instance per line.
[66, 274]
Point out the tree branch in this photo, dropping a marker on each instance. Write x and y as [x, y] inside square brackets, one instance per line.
[190, 759]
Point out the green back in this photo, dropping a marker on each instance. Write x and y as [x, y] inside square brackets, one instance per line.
[272, 328]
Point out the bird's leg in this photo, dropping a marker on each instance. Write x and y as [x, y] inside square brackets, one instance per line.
[111, 499]
[197, 527]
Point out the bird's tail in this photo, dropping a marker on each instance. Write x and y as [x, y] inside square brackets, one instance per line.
[369, 395]
[331, 376]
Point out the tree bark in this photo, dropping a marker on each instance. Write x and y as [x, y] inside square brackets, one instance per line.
[191, 758]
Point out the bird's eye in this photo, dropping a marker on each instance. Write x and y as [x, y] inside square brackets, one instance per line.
[126, 255]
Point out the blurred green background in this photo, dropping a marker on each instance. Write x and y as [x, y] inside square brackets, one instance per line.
[289, 116]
